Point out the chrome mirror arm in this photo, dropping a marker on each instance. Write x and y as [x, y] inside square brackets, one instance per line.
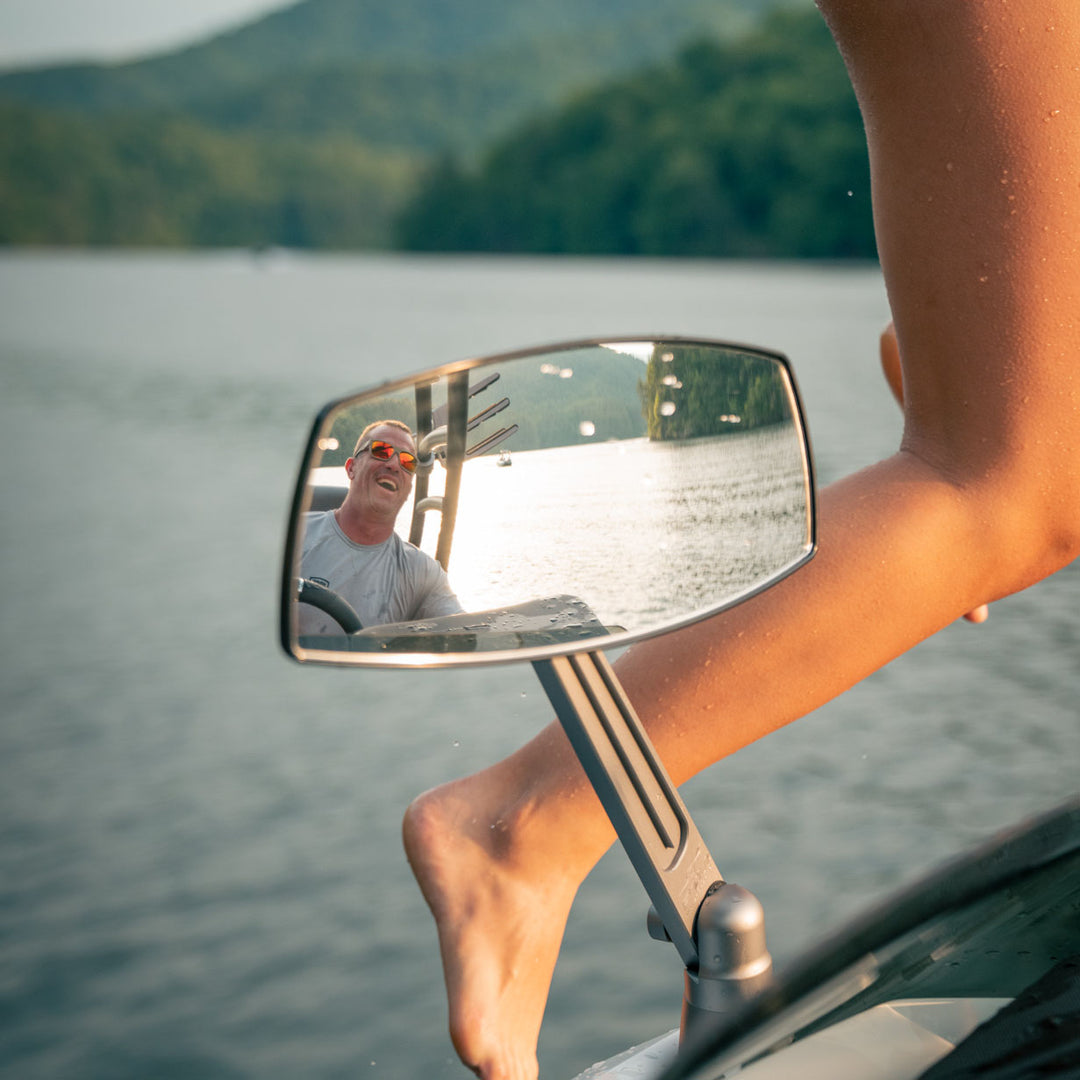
[717, 928]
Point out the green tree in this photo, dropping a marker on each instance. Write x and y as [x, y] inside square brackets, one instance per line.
[748, 148]
[692, 391]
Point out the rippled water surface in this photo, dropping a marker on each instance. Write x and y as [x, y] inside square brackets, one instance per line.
[200, 865]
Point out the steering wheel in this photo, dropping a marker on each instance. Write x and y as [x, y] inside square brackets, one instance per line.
[325, 599]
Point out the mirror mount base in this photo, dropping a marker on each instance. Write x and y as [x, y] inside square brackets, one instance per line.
[735, 963]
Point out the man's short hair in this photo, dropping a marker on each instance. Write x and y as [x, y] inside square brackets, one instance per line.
[378, 424]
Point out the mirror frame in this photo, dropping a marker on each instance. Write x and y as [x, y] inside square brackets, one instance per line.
[610, 641]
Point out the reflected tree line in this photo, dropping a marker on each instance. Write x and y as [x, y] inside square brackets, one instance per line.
[559, 400]
[691, 392]
[686, 392]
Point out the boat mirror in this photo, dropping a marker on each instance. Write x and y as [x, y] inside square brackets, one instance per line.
[532, 504]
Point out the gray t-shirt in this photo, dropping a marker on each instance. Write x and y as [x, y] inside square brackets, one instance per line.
[385, 583]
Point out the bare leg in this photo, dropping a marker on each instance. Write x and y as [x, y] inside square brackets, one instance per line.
[971, 116]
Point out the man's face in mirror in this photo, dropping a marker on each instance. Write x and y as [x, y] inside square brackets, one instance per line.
[378, 489]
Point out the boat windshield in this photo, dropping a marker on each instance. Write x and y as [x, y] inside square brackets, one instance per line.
[1002, 922]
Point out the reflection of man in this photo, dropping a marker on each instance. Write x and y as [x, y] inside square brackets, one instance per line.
[355, 551]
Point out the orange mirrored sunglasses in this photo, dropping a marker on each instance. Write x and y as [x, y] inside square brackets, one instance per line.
[383, 451]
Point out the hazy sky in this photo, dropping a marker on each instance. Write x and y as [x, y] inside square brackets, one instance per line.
[43, 31]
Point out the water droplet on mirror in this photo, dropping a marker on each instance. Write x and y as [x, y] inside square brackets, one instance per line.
[587, 428]
[667, 408]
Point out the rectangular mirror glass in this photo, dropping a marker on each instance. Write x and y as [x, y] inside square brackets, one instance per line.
[512, 507]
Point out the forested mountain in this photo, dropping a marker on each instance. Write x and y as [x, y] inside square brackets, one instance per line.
[136, 181]
[314, 126]
[751, 148]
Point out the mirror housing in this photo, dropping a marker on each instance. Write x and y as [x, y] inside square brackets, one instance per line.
[655, 481]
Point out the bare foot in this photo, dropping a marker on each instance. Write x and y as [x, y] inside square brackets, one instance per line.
[500, 924]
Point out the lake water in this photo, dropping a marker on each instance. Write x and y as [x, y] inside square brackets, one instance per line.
[200, 863]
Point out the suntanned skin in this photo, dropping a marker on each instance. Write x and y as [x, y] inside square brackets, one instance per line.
[891, 369]
[972, 111]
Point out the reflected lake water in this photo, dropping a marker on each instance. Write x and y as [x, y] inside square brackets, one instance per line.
[685, 524]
